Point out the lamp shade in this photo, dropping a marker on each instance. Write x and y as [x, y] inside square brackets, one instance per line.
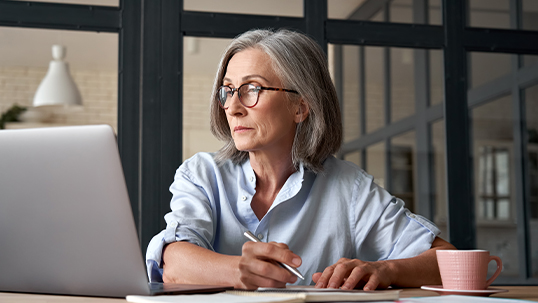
[58, 87]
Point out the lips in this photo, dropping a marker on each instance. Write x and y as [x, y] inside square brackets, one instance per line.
[240, 129]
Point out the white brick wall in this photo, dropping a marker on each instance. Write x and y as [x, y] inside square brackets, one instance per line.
[99, 90]
[196, 99]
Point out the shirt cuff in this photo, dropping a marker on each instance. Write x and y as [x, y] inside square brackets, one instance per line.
[154, 257]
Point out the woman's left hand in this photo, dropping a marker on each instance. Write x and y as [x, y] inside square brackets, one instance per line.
[352, 273]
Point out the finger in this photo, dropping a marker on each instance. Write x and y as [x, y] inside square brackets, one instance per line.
[356, 275]
[341, 271]
[323, 280]
[267, 269]
[315, 277]
[272, 251]
[281, 245]
[372, 284]
[324, 277]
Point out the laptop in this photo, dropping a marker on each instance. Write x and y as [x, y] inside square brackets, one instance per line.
[66, 225]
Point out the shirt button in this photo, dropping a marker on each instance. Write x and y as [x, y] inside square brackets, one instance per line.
[251, 179]
[244, 198]
[260, 236]
[412, 216]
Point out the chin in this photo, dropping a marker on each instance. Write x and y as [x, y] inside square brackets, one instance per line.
[243, 146]
[244, 149]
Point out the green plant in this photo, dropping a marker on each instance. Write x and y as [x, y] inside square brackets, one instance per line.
[11, 115]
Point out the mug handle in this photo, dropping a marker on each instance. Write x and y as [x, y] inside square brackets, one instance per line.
[497, 272]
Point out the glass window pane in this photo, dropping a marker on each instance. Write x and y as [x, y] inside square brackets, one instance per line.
[486, 67]
[402, 83]
[85, 2]
[503, 209]
[485, 170]
[502, 166]
[338, 9]
[289, 8]
[489, 210]
[530, 15]
[437, 79]
[489, 13]
[375, 163]
[92, 59]
[401, 11]
[354, 157]
[530, 60]
[492, 135]
[201, 58]
[439, 176]
[531, 108]
[481, 207]
[351, 91]
[379, 16]
[435, 11]
[375, 91]
[403, 155]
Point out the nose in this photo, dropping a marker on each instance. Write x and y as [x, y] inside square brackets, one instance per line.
[234, 106]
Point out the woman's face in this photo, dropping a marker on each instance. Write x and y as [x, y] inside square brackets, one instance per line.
[270, 125]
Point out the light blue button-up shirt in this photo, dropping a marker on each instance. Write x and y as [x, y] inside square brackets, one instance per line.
[323, 217]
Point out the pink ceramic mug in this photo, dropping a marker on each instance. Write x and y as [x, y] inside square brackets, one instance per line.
[466, 269]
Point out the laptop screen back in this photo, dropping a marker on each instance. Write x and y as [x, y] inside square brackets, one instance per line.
[66, 225]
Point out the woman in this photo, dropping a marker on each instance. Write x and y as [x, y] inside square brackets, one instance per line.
[275, 107]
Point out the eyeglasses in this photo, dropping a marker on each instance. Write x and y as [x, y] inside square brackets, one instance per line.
[248, 94]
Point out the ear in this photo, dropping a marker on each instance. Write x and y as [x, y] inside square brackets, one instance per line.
[301, 111]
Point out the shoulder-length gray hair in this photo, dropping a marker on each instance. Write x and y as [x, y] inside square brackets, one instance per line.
[301, 65]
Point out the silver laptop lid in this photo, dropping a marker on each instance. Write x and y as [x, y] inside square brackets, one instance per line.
[66, 225]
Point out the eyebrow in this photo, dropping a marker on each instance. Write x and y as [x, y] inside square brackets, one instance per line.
[249, 77]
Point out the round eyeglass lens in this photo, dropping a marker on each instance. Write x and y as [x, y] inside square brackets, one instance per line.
[223, 95]
[249, 94]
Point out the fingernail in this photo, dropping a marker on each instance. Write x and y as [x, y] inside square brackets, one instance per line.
[333, 285]
[366, 289]
[344, 287]
[296, 261]
[319, 285]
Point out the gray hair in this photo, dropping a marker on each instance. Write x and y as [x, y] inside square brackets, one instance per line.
[301, 65]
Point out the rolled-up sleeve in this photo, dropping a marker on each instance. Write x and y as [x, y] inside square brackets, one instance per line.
[390, 231]
[191, 220]
[414, 234]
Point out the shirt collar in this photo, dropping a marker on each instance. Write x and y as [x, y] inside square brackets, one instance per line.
[295, 178]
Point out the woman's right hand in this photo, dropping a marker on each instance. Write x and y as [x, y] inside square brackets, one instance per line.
[258, 265]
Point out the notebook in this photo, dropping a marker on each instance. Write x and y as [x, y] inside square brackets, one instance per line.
[223, 297]
[291, 294]
[313, 294]
[66, 225]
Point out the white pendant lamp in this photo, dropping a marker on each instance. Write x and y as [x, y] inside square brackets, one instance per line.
[58, 87]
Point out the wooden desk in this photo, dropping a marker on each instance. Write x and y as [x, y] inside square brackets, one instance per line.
[515, 292]
[29, 298]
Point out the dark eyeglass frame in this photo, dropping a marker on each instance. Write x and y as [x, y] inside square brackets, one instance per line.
[257, 87]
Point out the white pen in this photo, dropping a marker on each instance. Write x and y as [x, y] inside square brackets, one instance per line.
[294, 271]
